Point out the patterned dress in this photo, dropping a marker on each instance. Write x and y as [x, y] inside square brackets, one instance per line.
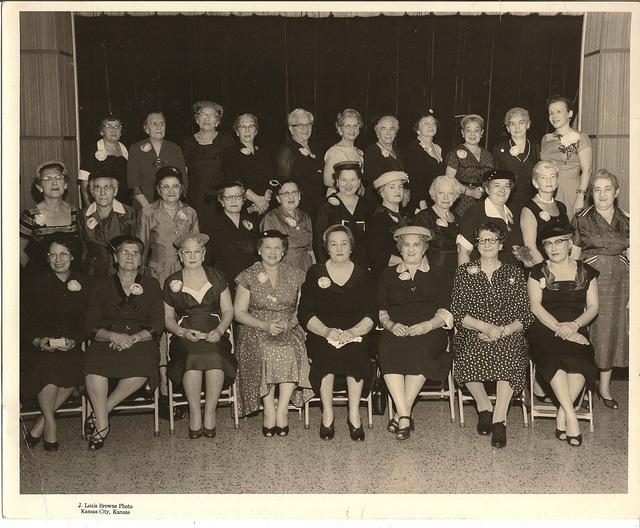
[469, 172]
[298, 227]
[265, 360]
[568, 164]
[603, 245]
[498, 301]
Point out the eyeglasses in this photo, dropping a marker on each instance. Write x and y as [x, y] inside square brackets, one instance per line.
[303, 125]
[113, 127]
[63, 255]
[230, 197]
[247, 127]
[207, 116]
[49, 179]
[108, 187]
[167, 187]
[290, 194]
[189, 253]
[555, 244]
[352, 127]
[128, 253]
[491, 241]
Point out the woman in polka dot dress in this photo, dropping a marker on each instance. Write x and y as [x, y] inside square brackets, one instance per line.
[491, 312]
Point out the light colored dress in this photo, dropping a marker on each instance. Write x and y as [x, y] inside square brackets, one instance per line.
[298, 227]
[265, 360]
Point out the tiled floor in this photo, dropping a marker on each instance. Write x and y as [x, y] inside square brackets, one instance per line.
[440, 457]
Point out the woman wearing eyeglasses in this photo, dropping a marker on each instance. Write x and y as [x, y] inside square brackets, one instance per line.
[564, 298]
[198, 312]
[491, 312]
[124, 319]
[158, 226]
[50, 216]
[150, 154]
[53, 306]
[107, 156]
[290, 220]
[348, 125]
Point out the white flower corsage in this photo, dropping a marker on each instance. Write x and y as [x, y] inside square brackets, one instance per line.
[290, 221]
[91, 223]
[262, 277]
[385, 153]
[544, 215]
[40, 219]
[246, 151]
[100, 155]
[512, 280]
[333, 200]
[514, 151]
[247, 225]
[324, 282]
[175, 285]
[181, 215]
[543, 283]
[473, 270]
[304, 151]
[441, 222]
[136, 289]
[569, 139]
[394, 218]
[404, 276]
[271, 298]
[501, 150]
[461, 153]
[74, 285]
[146, 147]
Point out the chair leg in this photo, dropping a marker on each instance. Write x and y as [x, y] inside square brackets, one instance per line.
[370, 410]
[451, 394]
[590, 396]
[525, 416]
[532, 377]
[171, 423]
[83, 414]
[390, 406]
[156, 418]
[306, 415]
[234, 402]
[461, 407]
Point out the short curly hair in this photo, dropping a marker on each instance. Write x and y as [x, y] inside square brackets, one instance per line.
[492, 227]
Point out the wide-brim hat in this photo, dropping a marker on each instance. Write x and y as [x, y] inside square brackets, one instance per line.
[388, 177]
[412, 230]
[200, 237]
[498, 174]
[117, 241]
[555, 231]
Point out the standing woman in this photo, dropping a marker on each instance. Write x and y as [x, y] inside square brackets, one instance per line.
[53, 306]
[602, 236]
[109, 157]
[289, 219]
[348, 125]
[423, 161]
[150, 154]
[519, 155]
[50, 216]
[469, 161]
[348, 208]
[571, 151]
[270, 346]
[203, 154]
[383, 155]
[246, 163]
[158, 226]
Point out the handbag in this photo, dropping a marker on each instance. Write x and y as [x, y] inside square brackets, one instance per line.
[379, 393]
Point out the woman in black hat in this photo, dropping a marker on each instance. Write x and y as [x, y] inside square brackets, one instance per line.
[498, 184]
[563, 293]
[198, 311]
[125, 318]
[159, 224]
[270, 346]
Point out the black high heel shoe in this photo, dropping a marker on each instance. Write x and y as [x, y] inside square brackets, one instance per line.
[609, 403]
[97, 439]
[404, 432]
[195, 433]
[282, 431]
[561, 435]
[327, 433]
[392, 425]
[32, 441]
[50, 446]
[89, 425]
[208, 433]
[577, 439]
[269, 431]
[356, 433]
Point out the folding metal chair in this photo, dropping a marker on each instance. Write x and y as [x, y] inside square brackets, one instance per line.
[71, 406]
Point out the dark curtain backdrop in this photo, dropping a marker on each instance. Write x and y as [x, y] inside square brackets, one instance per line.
[268, 65]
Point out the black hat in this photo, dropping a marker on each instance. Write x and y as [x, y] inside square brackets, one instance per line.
[116, 242]
[102, 173]
[168, 171]
[498, 174]
[272, 233]
[229, 183]
[555, 231]
[347, 165]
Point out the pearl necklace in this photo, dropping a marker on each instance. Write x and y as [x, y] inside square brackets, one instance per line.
[544, 200]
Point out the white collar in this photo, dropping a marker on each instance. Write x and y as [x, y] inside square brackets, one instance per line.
[423, 267]
[116, 206]
[125, 152]
[491, 211]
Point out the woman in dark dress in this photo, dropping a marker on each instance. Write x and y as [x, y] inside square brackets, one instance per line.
[48, 217]
[423, 161]
[345, 207]
[443, 223]
[337, 307]
[53, 305]
[519, 155]
[124, 318]
[250, 165]
[203, 156]
[413, 299]
[198, 312]
[564, 298]
[108, 158]
[469, 161]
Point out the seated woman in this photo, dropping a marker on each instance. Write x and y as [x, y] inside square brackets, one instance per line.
[337, 306]
[413, 299]
[198, 311]
[345, 207]
[289, 219]
[564, 298]
[270, 346]
[491, 310]
[53, 306]
[124, 317]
